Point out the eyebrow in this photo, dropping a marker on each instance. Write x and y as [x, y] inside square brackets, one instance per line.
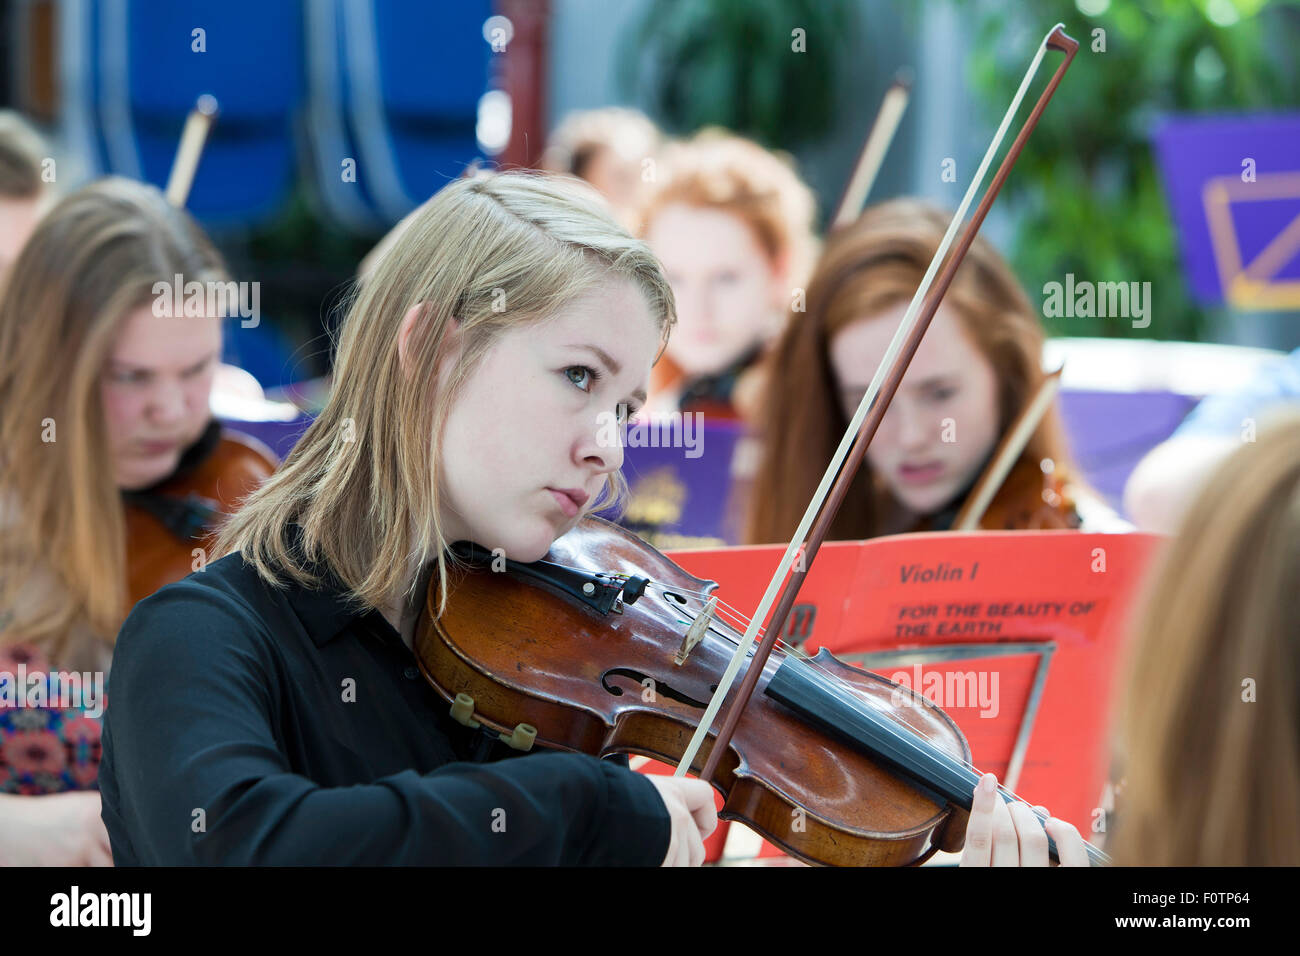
[127, 366]
[612, 364]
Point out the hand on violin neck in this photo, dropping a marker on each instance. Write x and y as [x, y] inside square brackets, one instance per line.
[1009, 834]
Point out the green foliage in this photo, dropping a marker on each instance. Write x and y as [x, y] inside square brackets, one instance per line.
[732, 63]
[1086, 195]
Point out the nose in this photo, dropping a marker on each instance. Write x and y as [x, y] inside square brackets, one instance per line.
[168, 404]
[694, 303]
[600, 451]
[913, 429]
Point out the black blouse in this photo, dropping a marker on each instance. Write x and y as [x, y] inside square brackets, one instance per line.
[252, 725]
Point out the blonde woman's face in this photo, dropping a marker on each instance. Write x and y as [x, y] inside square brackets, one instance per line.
[539, 416]
[943, 423]
[727, 291]
[155, 390]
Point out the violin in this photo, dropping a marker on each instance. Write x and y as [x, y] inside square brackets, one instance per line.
[1032, 499]
[166, 523]
[606, 646]
[584, 650]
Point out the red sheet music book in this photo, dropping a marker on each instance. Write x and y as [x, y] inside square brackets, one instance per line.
[1017, 635]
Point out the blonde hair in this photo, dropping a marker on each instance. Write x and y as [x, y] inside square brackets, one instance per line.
[582, 135]
[719, 170]
[1212, 775]
[92, 260]
[363, 481]
[21, 153]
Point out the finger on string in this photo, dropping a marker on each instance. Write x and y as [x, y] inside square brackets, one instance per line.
[978, 850]
[1030, 835]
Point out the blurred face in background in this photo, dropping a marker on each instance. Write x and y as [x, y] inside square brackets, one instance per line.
[17, 221]
[950, 391]
[617, 177]
[155, 390]
[729, 293]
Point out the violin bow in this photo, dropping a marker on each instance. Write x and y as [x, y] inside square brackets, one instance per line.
[835, 482]
[1008, 452]
[873, 151]
[195, 134]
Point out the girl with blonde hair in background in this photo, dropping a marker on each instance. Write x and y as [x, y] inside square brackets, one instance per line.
[102, 402]
[1208, 719]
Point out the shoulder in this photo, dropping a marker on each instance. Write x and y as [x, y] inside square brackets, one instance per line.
[224, 607]
[1222, 413]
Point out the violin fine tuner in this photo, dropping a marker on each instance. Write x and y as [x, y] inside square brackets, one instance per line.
[462, 711]
[522, 738]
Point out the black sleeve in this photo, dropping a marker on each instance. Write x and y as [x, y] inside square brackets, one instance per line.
[197, 776]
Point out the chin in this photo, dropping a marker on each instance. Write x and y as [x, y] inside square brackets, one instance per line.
[528, 545]
[925, 502]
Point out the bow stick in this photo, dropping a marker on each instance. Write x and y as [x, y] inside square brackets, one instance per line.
[193, 136]
[873, 151]
[871, 410]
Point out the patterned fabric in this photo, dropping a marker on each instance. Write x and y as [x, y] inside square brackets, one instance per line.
[43, 749]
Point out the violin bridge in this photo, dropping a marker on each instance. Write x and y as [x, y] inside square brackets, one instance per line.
[695, 633]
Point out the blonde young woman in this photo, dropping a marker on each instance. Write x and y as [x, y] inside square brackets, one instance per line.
[270, 709]
[733, 225]
[974, 372]
[1209, 719]
[102, 403]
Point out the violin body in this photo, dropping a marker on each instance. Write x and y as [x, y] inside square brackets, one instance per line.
[1030, 500]
[542, 653]
[158, 554]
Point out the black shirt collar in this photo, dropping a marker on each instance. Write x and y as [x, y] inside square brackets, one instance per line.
[327, 610]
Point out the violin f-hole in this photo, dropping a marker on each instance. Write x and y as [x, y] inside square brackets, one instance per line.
[662, 688]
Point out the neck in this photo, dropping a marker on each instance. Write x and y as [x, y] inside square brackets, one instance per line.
[403, 609]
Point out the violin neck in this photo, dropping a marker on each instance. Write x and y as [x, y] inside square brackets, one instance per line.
[824, 702]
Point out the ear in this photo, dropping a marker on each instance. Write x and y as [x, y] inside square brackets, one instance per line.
[413, 318]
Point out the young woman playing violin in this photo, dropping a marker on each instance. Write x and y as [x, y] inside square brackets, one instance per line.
[975, 371]
[270, 709]
[105, 429]
[732, 224]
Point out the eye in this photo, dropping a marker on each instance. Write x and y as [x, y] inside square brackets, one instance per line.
[588, 373]
[135, 377]
[942, 394]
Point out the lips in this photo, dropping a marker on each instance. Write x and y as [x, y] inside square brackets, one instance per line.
[920, 474]
[570, 500]
[157, 447]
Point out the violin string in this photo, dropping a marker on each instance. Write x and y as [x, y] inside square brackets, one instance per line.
[845, 692]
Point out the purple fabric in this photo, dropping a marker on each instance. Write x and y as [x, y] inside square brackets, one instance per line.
[1193, 150]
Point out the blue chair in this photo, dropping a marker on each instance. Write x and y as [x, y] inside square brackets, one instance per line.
[149, 76]
[414, 75]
